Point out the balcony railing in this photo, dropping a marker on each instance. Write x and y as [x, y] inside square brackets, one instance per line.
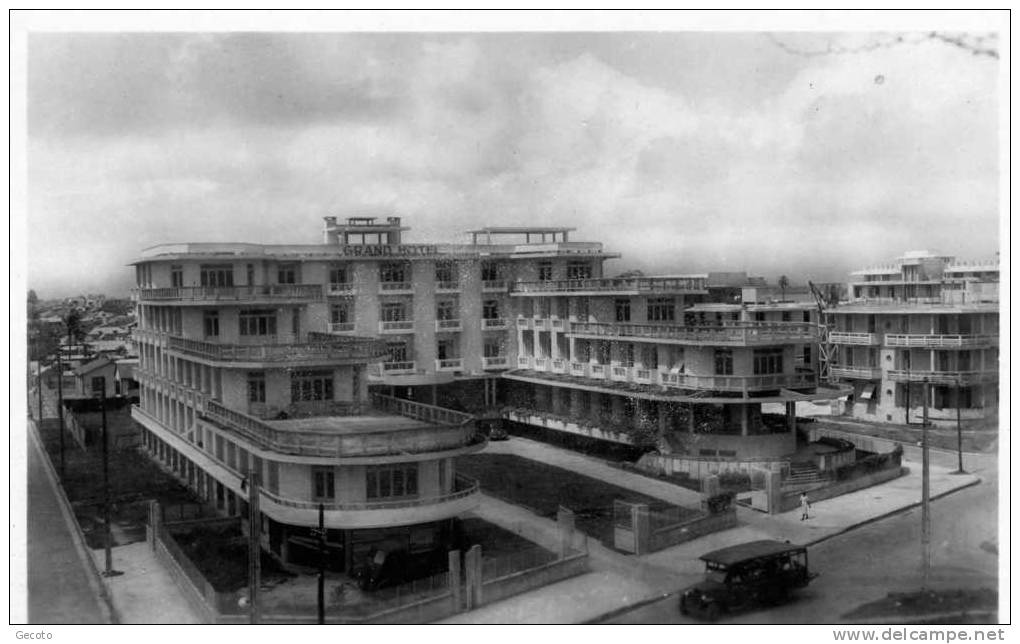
[523, 362]
[341, 327]
[495, 362]
[738, 333]
[541, 324]
[396, 287]
[319, 346]
[848, 337]
[396, 326]
[740, 383]
[463, 487]
[447, 429]
[643, 375]
[524, 323]
[540, 364]
[449, 364]
[233, 293]
[859, 373]
[598, 371]
[340, 288]
[619, 374]
[559, 365]
[447, 286]
[579, 369]
[307, 409]
[490, 286]
[448, 325]
[939, 341]
[398, 367]
[556, 323]
[492, 324]
[620, 285]
[944, 377]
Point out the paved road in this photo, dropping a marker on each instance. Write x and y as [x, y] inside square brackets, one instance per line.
[865, 564]
[58, 584]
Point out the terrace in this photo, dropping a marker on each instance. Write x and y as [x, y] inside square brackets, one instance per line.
[221, 294]
[318, 348]
[725, 334]
[613, 286]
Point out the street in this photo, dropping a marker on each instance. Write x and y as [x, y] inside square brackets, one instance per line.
[865, 564]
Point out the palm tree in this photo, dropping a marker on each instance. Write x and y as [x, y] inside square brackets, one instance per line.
[784, 283]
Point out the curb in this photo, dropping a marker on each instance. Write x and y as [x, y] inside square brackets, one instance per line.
[651, 600]
[922, 618]
[96, 582]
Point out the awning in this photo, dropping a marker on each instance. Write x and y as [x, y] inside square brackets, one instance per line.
[869, 391]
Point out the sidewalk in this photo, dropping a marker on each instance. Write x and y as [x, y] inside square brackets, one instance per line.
[619, 580]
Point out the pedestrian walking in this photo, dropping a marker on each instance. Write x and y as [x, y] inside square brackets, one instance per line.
[805, 505]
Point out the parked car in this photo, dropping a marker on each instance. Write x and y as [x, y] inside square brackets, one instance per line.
[747, 575]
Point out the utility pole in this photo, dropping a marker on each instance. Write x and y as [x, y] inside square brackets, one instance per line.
[321, 534]
[254, 546]
[60, 410]
[959, 432]
[108, 536]
[925, 491]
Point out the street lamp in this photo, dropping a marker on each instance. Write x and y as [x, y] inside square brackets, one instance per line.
[108, 536]
[959, 432]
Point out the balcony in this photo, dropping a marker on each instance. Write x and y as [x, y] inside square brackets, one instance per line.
[445, 430]
[396, 288]
[848, 337]
[940, 341]
[579, 369]
[742, 384]
[617, 286]
[447, 326]
[495, 362]
[463, 487]
[222, 294]
[619, 374]
[524, 323]
[598, 371]
[559, 365]
[398, 368]
[396, 326]
[855, 373]
[308, 409]
[448, 287]
[737, 334]
[494, 286]
[523, 362]
[340, 289]
[495, 324]
[341, 327]
[449, 364]
[556, 324]
[541, 324]
[644, 376]
[319, 348]
[964, 378]
[540, 364]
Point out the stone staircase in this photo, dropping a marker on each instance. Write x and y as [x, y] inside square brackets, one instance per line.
[803, 474]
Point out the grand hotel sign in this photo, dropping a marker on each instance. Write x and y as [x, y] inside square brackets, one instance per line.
[392, 250]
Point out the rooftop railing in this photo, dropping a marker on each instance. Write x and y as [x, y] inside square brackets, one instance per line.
[944, 377]
[852, 337]
[233, 293]
[614, 284]
[932, 341]
[318, 346]
[736, 333]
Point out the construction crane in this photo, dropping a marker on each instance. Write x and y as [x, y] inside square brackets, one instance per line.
[826, 351]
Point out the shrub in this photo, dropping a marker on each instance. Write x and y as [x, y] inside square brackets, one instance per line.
[721, 502]
[739, 481]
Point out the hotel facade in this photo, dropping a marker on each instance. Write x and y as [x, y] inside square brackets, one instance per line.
[925, 318]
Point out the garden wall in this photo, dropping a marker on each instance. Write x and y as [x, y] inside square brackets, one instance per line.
[525, 580]
[791, 500]
[680, 532]
[700, 467]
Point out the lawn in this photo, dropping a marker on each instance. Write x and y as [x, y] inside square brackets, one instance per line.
[544, 488]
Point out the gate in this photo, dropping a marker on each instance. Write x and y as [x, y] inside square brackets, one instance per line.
[624, 530]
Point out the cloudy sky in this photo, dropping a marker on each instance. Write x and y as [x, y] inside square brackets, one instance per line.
[683, 151]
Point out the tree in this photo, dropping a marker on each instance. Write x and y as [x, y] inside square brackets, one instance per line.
[33, 299]
[784, 284]
[75, 331]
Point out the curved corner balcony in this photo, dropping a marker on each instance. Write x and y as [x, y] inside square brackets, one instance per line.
[737, 334]
[226, 294]
[962, 378]
[373, 514]
[397, 429]
[934, 341]
[319, 348]
[613, 286]
[855, 373]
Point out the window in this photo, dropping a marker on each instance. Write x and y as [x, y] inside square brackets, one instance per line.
[490, 309]
[219, 448]
[579, 270]
[545, 271]
[490, 272]
[286, 274]
[649, 357]
[295, 322]
[444, 350]
[492, 348]
[724, 362]
[627, 354]
[445, 272]
[176, 276]
[394, 312]
[323, 483]
[98, 385]
[623, 310]
[340, 313]
[807, 316]
[311, 385]
[397, 351]
[391, 481]
[250, 273]
[256, 387]
[759, 316]
[446, 310]
[211, 323]
[807, 355]
[338, 275]
[582, 307]
[661, 310]
[442, 475]
[768, 361]
[393, 272]
[217, 275]
[786, 316]
[257, 322]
